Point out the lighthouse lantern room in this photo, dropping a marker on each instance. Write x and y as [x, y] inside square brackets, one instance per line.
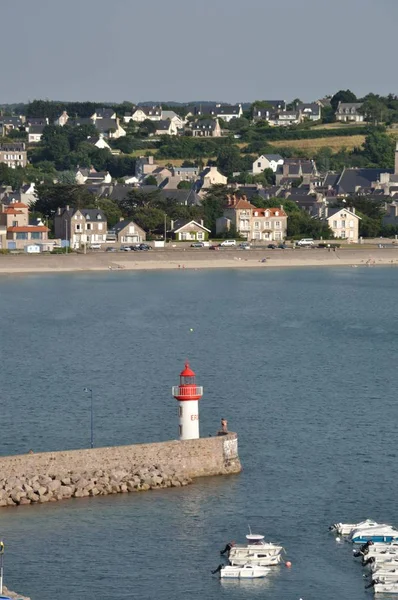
[188, 395]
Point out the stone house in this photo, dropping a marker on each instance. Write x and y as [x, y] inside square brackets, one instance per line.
[344, 223]
[13, 155]
[206, 128]
[128, 232]
[189, 231]
[211, 176]
[144, 166]
[267, 161]
[62, 119]
[312, 111]
[8, 124]
[349, 112]
[80, 226]
[296, 168]
[252, 223]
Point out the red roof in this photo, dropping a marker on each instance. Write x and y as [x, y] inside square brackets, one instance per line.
[12, 211]
[187, 372]
[18, 205]
[271, 212]
[28, 228]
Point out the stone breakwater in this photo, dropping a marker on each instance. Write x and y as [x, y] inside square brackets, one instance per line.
[51, 488]
[53, 476]
[13, 595]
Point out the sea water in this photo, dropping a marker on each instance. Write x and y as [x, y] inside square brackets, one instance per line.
[301, 362]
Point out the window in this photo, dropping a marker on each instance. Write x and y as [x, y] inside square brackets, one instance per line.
[36, 235]
[200, 235]
[267, 225]
[22, 236]
[335, 224]
[15, 223]
[343, 223]
[256, 224]
[78, 227]
[99, 226]
[180, 430]
[259, 164]
[277, 224]
[180, 412]
[88, 226]
[351, 224]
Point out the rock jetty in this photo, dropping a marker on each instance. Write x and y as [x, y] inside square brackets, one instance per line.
[38, 489]
[13, 595]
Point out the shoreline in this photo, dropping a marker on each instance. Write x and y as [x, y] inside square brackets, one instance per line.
[196, 260]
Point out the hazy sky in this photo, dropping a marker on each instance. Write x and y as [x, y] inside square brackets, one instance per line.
[227, 50]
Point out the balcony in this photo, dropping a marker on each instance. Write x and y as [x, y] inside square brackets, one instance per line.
[187, 393]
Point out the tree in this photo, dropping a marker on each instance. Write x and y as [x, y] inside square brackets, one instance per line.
[342, 96]
[151, 180]
[147, 128]
[184, 185]
[52, 197]
[111, 210]
[379, 149]
[229, 160]
[148, 218]
[373, 109]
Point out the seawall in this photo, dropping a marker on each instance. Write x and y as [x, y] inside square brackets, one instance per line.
[51, 476]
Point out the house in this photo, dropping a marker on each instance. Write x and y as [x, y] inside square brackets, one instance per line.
[173, 117]
[206, 128]
[165, 128]
[99, 142]
[62, 119]
[8, 124]
[276, 104]
[80, 226]
[267, 161]
[185, 173]
[189, 231]
[227, 112]
[351, 180]
[211, 176]
[391, 216]
[142, 113]
[252, 223]
[35, 121]
[312, 112]
[285, 118]
[295, 169]
[183, 197]
[144, 166]
[98, 178]
[14, 219]
[103, 113]
[109, 128]
[128, 232]
[343, 222]
[272, 106]
[13, 155]
[35, 133]
[349, 112]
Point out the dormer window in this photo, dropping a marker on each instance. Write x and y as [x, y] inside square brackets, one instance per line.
[267, 213]
[255, 213]
[99, 217]
[277, 213]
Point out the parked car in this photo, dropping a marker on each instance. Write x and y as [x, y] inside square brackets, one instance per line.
[228, 243]
[111, 249]
[282, 246]
[125, 249]
[143, 247]
[95, 246]
[272, 246]
[214, 247]
[244, 246]
[305, 242]
[197, 245]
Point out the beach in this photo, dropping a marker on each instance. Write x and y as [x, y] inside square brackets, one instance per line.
[197, 259]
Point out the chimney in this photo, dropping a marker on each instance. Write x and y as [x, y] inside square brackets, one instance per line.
[171, 224]
[201, 222]
[352, 209]
[121, 219]
[59, 210]
[67, 207]
[150, 160]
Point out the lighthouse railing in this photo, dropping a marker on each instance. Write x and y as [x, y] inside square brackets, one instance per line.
[196, 390]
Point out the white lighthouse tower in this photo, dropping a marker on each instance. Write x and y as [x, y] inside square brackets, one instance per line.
[188, 395]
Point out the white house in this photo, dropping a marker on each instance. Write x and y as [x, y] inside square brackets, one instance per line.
[99, 142]
[35, 134]
[344, 223]
[349, 111]
[173, 117]
[62, 119]
[267, 161]
[141, 113]
[165, 128]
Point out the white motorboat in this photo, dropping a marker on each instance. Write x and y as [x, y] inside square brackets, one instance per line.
[348, 528]
[244, 572]
[258, 559]
[255, 544]
[381, 550]
[381, 533]
[375, 565]
[383, 587]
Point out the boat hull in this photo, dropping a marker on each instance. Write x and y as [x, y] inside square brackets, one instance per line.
[382, 539]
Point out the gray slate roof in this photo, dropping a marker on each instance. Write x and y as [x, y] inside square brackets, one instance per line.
[350, 179]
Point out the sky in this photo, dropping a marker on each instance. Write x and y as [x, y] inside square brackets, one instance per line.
[183, 50]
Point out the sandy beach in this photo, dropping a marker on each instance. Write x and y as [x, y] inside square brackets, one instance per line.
[197, 259]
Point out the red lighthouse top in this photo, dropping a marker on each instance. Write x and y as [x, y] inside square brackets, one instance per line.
[187, 390]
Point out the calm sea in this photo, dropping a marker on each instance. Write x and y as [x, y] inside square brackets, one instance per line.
[302, 363]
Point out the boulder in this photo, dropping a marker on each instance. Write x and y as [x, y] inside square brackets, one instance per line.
[54, 485]
[24, 501]
[44, 498]
[33, 497]
[66, 491]
[66, 481]
[175, 483]
[41, 491]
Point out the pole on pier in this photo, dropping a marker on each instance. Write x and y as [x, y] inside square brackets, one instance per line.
[90, 391]
[1, 565]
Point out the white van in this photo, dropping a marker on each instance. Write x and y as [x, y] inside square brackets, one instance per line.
[228, 243]
[306, 242]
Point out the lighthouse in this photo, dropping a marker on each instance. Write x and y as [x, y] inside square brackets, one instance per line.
[188, 395]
